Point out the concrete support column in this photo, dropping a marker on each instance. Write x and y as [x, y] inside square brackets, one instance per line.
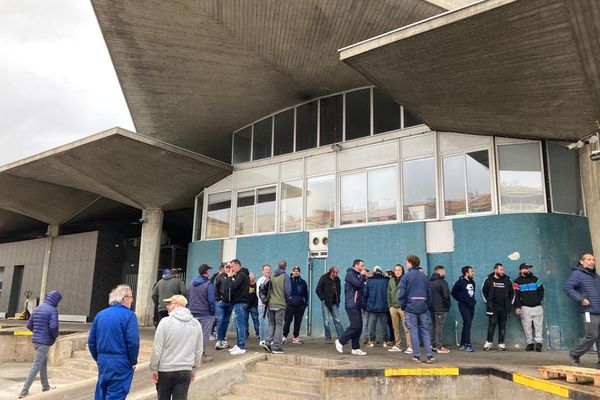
[53, 230]
[590, 177]
[152, 219]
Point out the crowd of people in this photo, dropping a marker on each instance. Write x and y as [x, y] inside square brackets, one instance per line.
[407, 306]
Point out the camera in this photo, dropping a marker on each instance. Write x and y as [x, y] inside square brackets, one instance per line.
[595, 155]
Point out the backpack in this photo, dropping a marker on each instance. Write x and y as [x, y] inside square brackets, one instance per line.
[264, 291]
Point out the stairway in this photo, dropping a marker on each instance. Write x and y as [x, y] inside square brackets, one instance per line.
[281, 377]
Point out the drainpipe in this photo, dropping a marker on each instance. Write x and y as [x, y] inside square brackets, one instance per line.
[309, 322]
[50, 235]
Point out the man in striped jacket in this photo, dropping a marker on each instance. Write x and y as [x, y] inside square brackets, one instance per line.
[529, 293]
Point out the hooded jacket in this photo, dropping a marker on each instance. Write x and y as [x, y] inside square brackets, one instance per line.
[353, 289]
[177, 343]
[529, 291]
[238, 284]
[415, 292]
[299, 293]
[440, 294]
[584, 284]
[201, 297]
[44, 320]
[329, 290]
[498, 292]
[168, 286]
[393, 292]
[375, 293]
[463, 291]
[280, 290]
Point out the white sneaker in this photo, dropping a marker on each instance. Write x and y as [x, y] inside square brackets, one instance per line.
[408, 351]
[487, 346]
[358, 352]
[501, 346]
[395, 349]
[262, 343]
[338, 346]
[236, 351]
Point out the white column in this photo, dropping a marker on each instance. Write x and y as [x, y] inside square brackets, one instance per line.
[152, 219]
[590, 176]
[50, 235]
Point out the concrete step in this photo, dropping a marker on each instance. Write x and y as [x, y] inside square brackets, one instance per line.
[232, 397]
[82, 354]
[72, 374]
[272, 368]
[79, 364]
[285, 382]
[298, 359]
[262, 392]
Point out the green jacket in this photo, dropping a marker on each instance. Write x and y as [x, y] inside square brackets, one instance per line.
[280, 289]
[393, 293]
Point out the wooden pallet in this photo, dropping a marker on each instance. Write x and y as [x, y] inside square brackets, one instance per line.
[572, 374]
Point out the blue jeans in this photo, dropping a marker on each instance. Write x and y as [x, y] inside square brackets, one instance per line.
[328, 314]
[241, 324]
[40, 364]
[263, 322]
[224, 311]
[418, 326]
[252, 312]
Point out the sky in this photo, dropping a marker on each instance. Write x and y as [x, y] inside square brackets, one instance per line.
[57, 82]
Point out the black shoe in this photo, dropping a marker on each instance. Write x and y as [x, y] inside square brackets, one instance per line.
[278, 351]
[575, 359]
[267, 347]
[538, 347]
[529, 347]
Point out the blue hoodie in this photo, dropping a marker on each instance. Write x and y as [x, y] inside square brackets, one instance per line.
[464, 291]
[44, 320]
[584, 284]
[415, 292]
[299, 292]
[201, 297]
[375, 293]
[353, 289]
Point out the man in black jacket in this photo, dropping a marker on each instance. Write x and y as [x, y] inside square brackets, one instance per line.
[529, 293]
[329, 290]
[440, 304]
[498, 294]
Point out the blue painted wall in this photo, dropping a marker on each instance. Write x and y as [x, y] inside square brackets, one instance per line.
[255, 251]
[203, 252]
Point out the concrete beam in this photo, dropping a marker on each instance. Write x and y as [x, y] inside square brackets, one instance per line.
[148, 264]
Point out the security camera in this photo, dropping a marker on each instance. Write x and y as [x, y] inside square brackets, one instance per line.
[595, 156]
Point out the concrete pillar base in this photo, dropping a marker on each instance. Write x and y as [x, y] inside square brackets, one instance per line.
[148, 265]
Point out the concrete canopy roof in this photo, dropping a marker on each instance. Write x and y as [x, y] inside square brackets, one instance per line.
[506, 67]
[193, 72]
[111, 166]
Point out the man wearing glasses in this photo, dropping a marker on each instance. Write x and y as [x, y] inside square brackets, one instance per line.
[329, 289]
[114, 343]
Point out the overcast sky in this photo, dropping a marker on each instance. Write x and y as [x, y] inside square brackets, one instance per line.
[57, 82]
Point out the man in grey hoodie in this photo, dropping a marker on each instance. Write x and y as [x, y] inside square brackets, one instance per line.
[177, 351]
[168, 286]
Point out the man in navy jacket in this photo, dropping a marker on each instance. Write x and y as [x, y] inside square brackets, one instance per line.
[114, 343]
[44, 325]
[375, 296]
[353, 291]
[583, 286]
[463, 291]
[415, 299]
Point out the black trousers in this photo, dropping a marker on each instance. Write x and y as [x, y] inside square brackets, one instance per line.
[498, 318]
[296, 313]
[352, 333]
[173, 385]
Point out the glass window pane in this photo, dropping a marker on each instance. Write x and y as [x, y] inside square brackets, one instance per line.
[410, 120]
[262, 139]
[244, 216]
[265, 209]
[479, 189]
[291, 206]
[306, 126]
[331, 120]
[565, 180]
[353, 208]
[218, 215]
[520, 178]
[418, 188]
[382, 194]
[241, 145]
[386, 113]
[284, 133]
[454, 185]
[320, 202]
[358, 114]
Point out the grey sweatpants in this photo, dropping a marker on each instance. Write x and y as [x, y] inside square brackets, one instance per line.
[535, 316]
[436, 330]
[591, 335]
[275, 332]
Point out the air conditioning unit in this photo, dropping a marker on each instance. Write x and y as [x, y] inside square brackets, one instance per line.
[318, 243]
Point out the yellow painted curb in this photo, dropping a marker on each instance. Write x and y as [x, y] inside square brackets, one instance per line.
[22, 333]
[443, 371]
[542, 385]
